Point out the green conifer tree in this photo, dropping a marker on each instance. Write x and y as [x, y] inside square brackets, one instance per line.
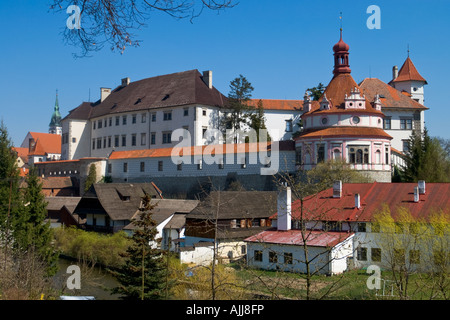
[143, 277]
[31, 232]
[91, 178]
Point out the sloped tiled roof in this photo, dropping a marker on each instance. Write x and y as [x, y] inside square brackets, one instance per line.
[272, 104]
[323, 206]
[82, 112]
[177, 89]
[45, 143]
[295, 237]
[341, 85]
[408, 72]
[389, 96]
[344, 132]
[199, 150]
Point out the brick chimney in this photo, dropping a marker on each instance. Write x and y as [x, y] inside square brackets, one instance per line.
[208, 78]
[284, 209]
[125, 82]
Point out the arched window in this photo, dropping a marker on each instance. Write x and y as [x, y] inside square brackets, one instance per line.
[336, 154]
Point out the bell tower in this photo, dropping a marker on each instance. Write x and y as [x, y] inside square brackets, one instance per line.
[55, 123]
[341, 64]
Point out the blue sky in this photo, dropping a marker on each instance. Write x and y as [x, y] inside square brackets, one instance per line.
[282, 47]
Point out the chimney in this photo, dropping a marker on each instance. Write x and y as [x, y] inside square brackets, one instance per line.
[125, 82]
[207, 78]
[357, 201]
[284, 209]
[104, 93]
[307, 102]
[416, 194]
[337, 189]
[421, 187]
[394, 72]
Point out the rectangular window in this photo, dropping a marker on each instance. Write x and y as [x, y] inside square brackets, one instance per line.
[109, 142]
[167, 116]
[93, 144]
[144, 118]
[117, 120]
[143, 139]
[258, 255]
[405, 145]
[99, 143]
[74, 140]
[133, 119]
[142, 166]
[273, 257]
[116, 141]
[204, 112]
[376, 254]
[361, 227]
[100, 124]
[186, 112]
[160, 166]
[387, 156]
[298, 156]
[179, 166]
[167, 137]
[362, 254]
[125, 167]
[133, 140]
[405, 124]
[320, 153]
[414, 256]
[104, 143]
[124, 120]
[387, 124]
[154, 117]
[153, 138]
[109, 168]
[110, 121]
[289, 127]
[288, 258]
[124, 141]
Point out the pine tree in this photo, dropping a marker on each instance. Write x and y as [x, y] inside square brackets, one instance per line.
[31, 232]
[240, 93]
[91, 178]
[143, 277]
[258, 120]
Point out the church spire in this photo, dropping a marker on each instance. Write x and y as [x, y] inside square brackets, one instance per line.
[55, 123]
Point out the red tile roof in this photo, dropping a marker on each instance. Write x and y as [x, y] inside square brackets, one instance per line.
[270, 104]
[339, 86]
[344, 132]
[409, 72]
[295, 237]
[198, 150]
[323, 206]
[390, 97]
[46, 143]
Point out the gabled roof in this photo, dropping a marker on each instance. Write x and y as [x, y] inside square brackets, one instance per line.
[341, 85]
[45, 143]
[82, 112]
[389, 96]
[408, 72]
[177, 89]
[323, 206]
[236, 205]
[120, 201]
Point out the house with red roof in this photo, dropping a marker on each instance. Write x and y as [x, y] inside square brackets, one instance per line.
[329, 219]
[42, 147]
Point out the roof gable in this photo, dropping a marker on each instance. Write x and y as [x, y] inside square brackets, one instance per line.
[408, 72]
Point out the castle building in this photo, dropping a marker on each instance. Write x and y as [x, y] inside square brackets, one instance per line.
[345, 125]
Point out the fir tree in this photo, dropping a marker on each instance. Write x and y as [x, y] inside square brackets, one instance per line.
[143, 277]
[31, 232]
[316, 92]
[91, 178]
[240, 93]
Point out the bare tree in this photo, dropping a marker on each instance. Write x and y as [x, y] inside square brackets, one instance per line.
[107, 22]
